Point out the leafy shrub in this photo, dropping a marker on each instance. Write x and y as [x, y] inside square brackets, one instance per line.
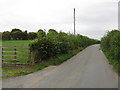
[110, 44]
[54, 43]
[43, 49]
[41, 33]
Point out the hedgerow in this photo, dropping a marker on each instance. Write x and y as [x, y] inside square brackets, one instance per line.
[110, 45]
[54, 43]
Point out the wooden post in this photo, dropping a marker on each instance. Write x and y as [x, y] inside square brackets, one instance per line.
[15, 55]
[2, 54]
[29, 61]
[74, 21]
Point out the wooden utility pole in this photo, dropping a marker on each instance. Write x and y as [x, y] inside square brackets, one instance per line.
[74, 21]
[119, 15]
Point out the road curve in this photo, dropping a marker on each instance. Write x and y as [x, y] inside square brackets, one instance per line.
[88, 69]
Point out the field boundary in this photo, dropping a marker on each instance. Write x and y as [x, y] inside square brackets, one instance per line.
[15, 52]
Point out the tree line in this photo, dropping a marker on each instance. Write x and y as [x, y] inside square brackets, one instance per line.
[17, 34]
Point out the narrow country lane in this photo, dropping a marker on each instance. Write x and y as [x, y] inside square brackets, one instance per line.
[88, 69]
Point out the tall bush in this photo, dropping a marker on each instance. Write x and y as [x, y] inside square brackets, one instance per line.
[111, 44]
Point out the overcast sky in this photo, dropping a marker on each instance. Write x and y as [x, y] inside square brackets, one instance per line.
[93, 17]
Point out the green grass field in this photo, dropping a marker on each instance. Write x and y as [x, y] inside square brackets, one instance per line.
[18, 43]
[22, 48]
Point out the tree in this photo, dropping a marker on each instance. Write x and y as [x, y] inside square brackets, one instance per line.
[6, 35]
[17, 35]
[52, 32]
[25, 36]
[32, 35]
[41, 34]
[13, 30]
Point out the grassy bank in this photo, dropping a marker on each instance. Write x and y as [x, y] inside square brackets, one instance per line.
[12, 72]
[115, 63]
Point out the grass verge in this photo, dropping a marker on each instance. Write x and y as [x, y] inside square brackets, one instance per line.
[13, 72]
[115, 63]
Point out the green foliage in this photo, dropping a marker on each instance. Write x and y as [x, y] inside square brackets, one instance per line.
[14, 30]
[32, 35]
[52, 32]
[43, 49]
[110, 44]
[6, 35]
[17, 34]
[55, 43]
[41, 33]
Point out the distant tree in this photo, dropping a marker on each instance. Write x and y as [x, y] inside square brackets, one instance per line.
[52, 32]
[6, 35]
[25, 36]
[32, 35]
[13, 30]
[41, 33]
[1, 34]
[17, 35]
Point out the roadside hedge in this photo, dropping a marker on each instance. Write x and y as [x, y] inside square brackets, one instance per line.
[54, 43]
[110, 45]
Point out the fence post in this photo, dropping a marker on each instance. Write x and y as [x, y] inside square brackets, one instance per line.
[29, 59]
[2, 54]
[15, 55]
